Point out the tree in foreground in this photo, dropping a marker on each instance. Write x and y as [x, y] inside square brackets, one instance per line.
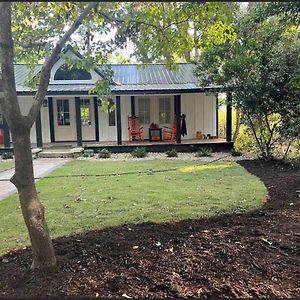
[28, 33]
[262, 67]
[23, 179]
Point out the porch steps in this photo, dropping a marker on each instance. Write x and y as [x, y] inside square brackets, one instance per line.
[61, 153]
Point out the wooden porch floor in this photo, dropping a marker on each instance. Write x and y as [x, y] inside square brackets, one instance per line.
[187, 145]
[133, 143]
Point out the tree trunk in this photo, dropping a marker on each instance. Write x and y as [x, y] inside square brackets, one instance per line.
[187, 56]
[237, 124]
[32, 208]
[23, 179]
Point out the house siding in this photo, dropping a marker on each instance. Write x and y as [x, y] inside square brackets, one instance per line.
[200, 111]
[109, 133]
[199, 108]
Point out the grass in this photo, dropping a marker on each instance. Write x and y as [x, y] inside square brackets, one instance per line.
[75, 204]
[6, 165]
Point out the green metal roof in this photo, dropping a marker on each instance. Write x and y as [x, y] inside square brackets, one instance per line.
[129, 79]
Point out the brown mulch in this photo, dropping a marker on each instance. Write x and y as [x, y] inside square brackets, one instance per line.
[256, 254]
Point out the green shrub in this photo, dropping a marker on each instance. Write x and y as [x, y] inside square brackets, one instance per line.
[7, 155]
[139, 152]
[88, 153]
[204, 152]
[172, 153]
[245, 140]
[104, 153]
[236, 152]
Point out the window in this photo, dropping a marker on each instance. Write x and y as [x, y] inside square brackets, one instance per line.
[111, 113]
[144, 110]
[164, 110]
[85, 111]
[63, 112]
[66, 72]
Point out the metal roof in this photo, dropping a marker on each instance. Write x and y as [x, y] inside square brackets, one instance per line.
[129, 78]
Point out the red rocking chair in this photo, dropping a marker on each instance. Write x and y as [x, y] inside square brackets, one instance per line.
[135, 131]
[170, 133]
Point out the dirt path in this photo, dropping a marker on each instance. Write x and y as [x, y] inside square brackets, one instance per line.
[256, 254]
[41, 166]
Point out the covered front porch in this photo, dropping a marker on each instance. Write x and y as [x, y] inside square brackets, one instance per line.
[121, 142]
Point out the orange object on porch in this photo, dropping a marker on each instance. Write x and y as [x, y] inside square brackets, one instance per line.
[134, 129]
[199, 135]
[1, 137]
[169, 133]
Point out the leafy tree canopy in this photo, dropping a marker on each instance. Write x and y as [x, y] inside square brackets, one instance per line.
[175, 31]
[262, 66]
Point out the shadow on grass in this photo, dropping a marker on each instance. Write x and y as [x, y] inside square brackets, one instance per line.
[254, 254]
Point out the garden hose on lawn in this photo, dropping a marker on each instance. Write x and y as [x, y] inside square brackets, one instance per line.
[124, 173]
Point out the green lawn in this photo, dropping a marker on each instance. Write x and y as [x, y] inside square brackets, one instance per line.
[76, 204]
[6, 165]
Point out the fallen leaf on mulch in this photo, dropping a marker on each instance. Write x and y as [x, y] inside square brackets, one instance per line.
[126, 296]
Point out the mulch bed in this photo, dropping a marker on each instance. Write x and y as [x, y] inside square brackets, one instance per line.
[256, 254]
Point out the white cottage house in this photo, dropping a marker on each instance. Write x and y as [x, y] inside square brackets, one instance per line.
[154, 93]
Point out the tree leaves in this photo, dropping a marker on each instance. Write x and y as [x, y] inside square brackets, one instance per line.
[169, 32]
[262, 65]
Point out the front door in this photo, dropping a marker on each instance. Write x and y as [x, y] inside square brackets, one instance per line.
[64, 120]
[87, 119]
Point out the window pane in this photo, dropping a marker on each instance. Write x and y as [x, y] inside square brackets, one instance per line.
[59, 105]
[144, 110]
[63, 113]
[111, 113]
[71, 73]
[66, 105]
[164, 110]
[85, 111]
[66, 119]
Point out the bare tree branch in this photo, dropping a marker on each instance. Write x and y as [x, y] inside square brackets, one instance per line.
[46, 69]
[118, 20]
[287, 150]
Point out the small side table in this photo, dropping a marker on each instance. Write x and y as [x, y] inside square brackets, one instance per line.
[155, 134]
